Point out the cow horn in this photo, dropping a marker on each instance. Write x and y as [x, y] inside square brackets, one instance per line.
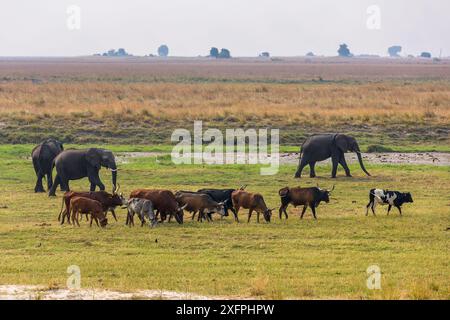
[117, 188]
[332, 188]
[243, 187]
[183, 207]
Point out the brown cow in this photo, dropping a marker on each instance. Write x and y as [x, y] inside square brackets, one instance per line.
[163, 201]
[307, 197]
[251, 201]
[199, 202]
[108, 201]
[81, 205]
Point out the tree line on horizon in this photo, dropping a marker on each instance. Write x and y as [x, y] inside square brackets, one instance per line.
[214, 52]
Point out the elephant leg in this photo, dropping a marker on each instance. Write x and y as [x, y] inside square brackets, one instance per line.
[312, 172]
[301, 164]
[39, 187]
[52, 192]
[94, 179]
[49, 180]
[335, 163]
[343, 163]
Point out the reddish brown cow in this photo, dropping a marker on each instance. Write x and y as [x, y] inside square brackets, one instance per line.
[108, 201]
[306, 197]
[163, 201]
[81, 205]
[251, 201]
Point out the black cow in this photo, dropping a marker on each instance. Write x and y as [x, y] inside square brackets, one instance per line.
[391, 198]
[222, 195]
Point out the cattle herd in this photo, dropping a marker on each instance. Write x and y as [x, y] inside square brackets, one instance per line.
[157, 205]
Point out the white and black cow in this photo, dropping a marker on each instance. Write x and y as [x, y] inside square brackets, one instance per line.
[143, 208]
[391, 198]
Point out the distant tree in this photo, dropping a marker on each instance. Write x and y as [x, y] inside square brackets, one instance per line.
[111, 52]
[344, 51]
[214, 52]
[394, 51]
[163, 51]
[264, 54]
[310, 54]
[425, 55]
[224, 54]
[121, 52]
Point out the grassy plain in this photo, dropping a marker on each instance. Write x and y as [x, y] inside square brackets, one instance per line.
[326, 258]
[140, 101]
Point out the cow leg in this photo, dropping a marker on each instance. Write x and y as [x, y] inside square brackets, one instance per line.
[303, 211]
[249, 214]
[374, 204]
[236, 218]
[90, 224]
[399, 209]
[389, 209]
[257, 216]
[367, 208]
[312, 172]
[313, 209]
[280, 212]
[113, 212]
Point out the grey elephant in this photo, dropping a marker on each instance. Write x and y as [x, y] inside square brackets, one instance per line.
[323, 146]
[76, 164]
[42, 156]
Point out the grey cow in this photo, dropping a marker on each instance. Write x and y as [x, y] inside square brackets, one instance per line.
[143, 208]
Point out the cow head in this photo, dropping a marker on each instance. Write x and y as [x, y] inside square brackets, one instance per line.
[180, 213]
[324, 195]
[220, 209]
[267, 214]
[407, 197]
[103, 222]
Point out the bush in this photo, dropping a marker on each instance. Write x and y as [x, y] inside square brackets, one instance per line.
[378, 148]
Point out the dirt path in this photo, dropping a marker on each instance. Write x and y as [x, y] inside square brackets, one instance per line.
[428, 158]
[24, 292]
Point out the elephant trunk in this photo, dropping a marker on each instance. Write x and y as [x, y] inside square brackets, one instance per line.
[358, 153]
[114, 178]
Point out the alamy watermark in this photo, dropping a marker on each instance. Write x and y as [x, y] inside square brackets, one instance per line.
[208, 147]
[374, 280]
[373, 21]
[74, 280]
[73, 21]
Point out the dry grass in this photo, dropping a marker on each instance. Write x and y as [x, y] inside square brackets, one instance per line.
[366, 103]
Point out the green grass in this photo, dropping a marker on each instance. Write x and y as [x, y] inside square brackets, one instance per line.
[326, 258]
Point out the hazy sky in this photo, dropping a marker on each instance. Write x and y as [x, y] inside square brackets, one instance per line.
[246, 27]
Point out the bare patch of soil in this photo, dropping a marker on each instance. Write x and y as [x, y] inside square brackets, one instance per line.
[25, 292]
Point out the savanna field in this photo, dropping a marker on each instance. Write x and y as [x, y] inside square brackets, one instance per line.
[132, 104]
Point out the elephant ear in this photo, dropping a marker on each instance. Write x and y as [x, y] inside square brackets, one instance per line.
[341, 142]
[93, 157]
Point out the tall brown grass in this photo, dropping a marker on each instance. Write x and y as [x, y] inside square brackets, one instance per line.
[363, 103]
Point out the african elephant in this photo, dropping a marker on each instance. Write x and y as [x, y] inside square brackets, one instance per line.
[76, 164]
[42, 157]
[323, 146]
